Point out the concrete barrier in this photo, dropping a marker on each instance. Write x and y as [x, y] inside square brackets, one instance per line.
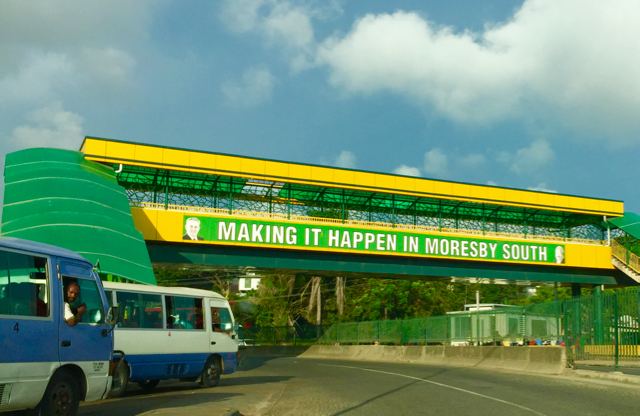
[272, 351]
[540, 360]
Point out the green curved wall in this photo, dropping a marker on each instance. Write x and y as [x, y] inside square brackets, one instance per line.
[57, 197]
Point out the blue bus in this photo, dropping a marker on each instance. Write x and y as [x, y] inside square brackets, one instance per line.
[48, 362]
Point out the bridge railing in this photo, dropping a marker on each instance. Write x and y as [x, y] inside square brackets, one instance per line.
[623, 254]
[311, 219]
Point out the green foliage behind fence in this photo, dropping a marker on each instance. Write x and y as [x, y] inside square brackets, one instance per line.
[603, 326]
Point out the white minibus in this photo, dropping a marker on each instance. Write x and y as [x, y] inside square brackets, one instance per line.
[171, 332]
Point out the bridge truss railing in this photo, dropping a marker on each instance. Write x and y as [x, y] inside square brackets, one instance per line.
[218, 194]
[358, 223]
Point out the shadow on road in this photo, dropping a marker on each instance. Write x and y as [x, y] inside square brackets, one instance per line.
[252, 380]
[378, 397]
[254, 357]
[128, 407]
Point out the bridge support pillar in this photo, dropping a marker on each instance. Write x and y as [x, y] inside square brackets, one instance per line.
[575, 290]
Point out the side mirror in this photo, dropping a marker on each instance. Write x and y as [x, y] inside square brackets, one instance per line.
[112, 316]
[95, 316]
[236, 327]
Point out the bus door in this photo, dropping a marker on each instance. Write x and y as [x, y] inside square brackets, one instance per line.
[89, 340]
[28, 331]
[221, 327]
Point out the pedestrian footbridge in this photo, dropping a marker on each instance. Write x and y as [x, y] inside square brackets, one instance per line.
[213, 209]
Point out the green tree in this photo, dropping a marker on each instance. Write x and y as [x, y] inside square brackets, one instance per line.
[279, 300]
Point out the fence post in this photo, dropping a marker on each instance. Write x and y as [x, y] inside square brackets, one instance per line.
[426, 331]
[566, 306]
[617, 337]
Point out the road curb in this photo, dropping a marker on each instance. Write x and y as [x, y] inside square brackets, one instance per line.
[616, 376]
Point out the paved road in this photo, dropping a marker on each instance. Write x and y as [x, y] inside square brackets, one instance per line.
[294, 386]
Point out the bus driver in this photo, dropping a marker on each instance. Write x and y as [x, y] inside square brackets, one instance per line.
[73, 292]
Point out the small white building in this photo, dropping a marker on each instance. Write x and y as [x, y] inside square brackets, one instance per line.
[497, 323]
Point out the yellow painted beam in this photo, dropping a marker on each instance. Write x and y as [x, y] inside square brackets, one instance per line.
[158, 157]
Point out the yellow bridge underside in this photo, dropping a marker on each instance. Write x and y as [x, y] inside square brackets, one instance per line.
[157, 157]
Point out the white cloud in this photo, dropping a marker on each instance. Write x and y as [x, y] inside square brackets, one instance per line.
[435, 162]
[542, 187]
[241, 16]
[472, 161]
[255, 88]
[492, 183]
[50, 24]
[39, 78]
[284, 24]
[290, 25]
[56, 49]
[533, 158]
[49, 126]
[569, 61]
[407, 171]
[345, 159]
[110, 66]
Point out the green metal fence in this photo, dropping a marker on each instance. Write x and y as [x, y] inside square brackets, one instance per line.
[601, 328]
[279, 335]
[506, 326]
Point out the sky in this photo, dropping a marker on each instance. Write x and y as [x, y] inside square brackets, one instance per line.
[535, 94]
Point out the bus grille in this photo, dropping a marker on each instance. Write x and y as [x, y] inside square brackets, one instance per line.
[5, 389]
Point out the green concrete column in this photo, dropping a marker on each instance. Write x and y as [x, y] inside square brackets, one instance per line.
[598, 318]
[575, 290]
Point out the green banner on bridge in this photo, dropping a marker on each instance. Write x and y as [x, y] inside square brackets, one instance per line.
[338, 238]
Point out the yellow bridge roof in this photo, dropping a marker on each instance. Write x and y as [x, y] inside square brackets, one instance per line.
[159, 157]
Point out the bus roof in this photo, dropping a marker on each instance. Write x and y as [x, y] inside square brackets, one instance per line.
[28, 245]
[181, 291]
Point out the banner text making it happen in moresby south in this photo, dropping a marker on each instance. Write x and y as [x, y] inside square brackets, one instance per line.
[332, 238]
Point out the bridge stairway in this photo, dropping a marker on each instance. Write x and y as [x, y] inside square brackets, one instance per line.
[625, 269]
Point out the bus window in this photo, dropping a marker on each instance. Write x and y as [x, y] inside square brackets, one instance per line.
[90, 296]
[184, 312]
[24, 285]
[140, 310]
[221, 320]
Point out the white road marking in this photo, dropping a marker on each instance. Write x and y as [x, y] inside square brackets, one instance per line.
[441, 385]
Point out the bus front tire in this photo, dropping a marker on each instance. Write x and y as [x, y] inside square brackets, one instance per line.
[211, 372]
[62, 396]
[120, 380]
[148, 384]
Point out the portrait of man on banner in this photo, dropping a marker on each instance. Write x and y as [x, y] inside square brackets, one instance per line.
[559, 255]
[192, 228]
